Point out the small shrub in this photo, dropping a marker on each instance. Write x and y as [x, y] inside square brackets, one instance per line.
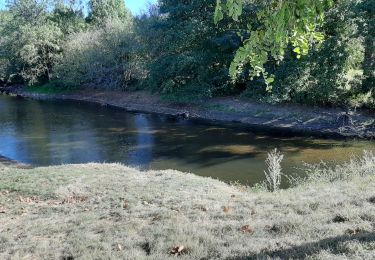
[273, 172]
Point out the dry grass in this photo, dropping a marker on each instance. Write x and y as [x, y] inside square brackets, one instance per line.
[109, 211]
[273, 172]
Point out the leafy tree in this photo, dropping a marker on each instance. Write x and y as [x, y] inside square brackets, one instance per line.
[69, 17]
[30, 42]
[279, 23]
[188, 57]
[5, 65]
[335, 72]
[100, 57]
[32, 12]
[102, 10]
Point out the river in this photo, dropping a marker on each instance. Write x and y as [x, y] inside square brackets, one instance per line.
[46, 133]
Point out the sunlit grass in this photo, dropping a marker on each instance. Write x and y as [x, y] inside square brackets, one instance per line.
[109, 211]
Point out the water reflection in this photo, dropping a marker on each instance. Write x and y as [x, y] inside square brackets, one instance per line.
[48, 133]
[141, 155]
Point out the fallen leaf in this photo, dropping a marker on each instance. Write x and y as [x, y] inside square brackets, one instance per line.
[247, 229]
[178, 250]
[23, 211]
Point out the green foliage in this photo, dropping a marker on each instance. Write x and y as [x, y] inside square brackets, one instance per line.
[188, 57]
[100, 57]
[102, 10]
[69, 18]
[5, 65]
[50, 88]
[178, 50]
[30, 42]
[340, 71]
[279, 24]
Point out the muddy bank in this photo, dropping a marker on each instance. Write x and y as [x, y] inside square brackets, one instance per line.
[5, 161]
[290, 119]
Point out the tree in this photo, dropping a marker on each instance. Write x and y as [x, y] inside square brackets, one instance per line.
[99, 57]
[30, 42]
[69, 17]
[279, 24]
[102, 10]
[188, 56]
[5, 17]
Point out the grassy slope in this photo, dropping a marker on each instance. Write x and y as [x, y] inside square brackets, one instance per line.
[104, 211]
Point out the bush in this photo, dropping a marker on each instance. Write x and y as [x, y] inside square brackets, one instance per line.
[101, 57]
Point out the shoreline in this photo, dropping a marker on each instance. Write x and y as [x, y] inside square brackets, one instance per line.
[284, 119]
[5, 161]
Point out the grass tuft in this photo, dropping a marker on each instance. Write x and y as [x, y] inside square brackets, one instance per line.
[357, 166]
[273, 172]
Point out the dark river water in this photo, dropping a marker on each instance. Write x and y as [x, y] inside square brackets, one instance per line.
[52, 132]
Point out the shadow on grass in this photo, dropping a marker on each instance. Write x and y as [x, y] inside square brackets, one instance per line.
[300, 252]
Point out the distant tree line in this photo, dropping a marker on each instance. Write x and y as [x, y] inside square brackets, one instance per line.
[177, 48]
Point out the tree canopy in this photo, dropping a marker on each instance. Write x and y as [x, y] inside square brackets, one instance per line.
[278, 24]
[306, 51]
[102, 10]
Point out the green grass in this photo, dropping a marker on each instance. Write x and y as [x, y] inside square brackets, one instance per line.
[109, 211]
[50, 88]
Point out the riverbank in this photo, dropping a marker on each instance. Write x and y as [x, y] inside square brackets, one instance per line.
[293, 119]
[5, 161]
[109, 211]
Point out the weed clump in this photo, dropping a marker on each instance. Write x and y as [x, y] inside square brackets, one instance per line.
[273, 172]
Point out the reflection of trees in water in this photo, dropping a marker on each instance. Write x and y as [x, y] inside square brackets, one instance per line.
[25, 125]
[45, 133]
[143, 146]
[64, 132]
